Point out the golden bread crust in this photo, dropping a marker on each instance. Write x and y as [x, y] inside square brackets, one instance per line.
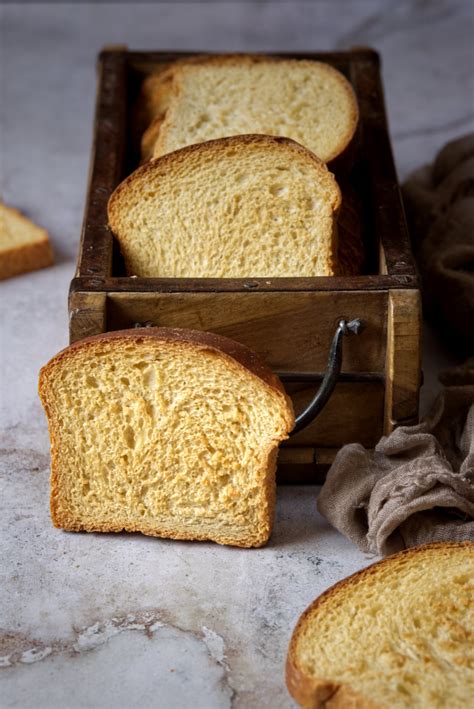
[236, 141]
[197, 338]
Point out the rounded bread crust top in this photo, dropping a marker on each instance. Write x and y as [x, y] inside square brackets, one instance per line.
[183, 155]
[242, 355]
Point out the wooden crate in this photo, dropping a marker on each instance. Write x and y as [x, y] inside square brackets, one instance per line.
[289, 321]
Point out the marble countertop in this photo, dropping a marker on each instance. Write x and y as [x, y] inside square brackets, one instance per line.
[127, 621]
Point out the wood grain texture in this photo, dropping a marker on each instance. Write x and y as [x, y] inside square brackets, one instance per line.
[353, 414]
[403, 367]
[87, 315]
[107, 162]
[125, 284]
[290, 331]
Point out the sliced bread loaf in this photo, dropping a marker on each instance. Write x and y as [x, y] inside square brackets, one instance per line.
[397, 634]
[247, 206]
[23, 245]
[172, 433]
[308, 101]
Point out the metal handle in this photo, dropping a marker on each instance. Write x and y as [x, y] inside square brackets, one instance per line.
[354, 327]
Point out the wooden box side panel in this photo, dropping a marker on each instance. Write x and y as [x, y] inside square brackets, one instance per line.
[387, 215]
[290, 331]
[403, 359]
[354, 413]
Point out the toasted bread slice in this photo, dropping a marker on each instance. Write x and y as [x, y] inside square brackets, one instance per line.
[397, 634]
[247, 206]
[310, 102]
[172, 433]
[23, 245]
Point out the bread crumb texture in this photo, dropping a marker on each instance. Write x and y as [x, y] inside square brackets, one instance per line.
[398, 634]
[160, 432]
[248, 206]
[308, 101]
[23, 245]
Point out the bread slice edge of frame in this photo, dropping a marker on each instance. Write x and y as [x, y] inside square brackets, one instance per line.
[313, 688]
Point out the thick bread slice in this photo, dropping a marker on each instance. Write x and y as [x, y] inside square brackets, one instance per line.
[23, 245]
[310, 102]
[172, 433]
[397, 634]
[247, 206]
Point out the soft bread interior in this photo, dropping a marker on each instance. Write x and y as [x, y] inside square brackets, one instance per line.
[251, 206]
[308, 101]
[163, 438]
[399, 634]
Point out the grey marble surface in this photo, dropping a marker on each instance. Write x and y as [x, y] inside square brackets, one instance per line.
[126, 621]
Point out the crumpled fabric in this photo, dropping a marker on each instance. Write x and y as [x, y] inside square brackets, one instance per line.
[416, 486]
[439, 203]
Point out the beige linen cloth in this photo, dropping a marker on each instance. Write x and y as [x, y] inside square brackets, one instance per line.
[439, 203]
[417, 485]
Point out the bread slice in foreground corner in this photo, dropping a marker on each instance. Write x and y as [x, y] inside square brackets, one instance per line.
[23, 245]
[248, 206]
[172, 433]
[397, 634]
[308, 101]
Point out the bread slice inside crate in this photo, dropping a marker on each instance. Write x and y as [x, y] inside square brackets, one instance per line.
[247, 206]
[214, 97]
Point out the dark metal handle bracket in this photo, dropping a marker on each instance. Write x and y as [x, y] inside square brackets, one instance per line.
[354, 327]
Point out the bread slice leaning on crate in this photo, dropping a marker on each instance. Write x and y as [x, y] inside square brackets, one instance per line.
[247, 206]
[397, 634]
[168, 432]
[23, 245]
[308, 101]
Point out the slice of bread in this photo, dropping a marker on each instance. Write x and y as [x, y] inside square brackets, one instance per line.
[397, 634]
[157, 91]
[310, 102]
[23, 245]
[247, 206]
[172, 433]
